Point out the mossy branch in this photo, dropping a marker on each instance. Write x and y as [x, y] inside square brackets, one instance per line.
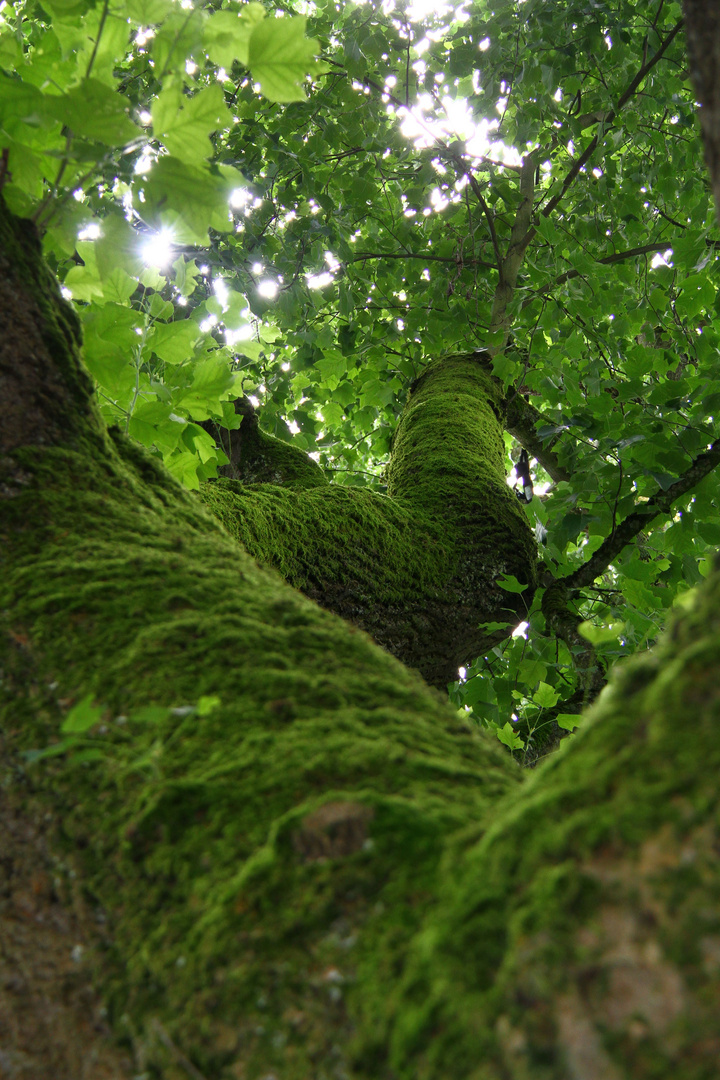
[522, 420]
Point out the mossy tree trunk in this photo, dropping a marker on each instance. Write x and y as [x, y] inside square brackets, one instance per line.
[418, 568]
[288, 855]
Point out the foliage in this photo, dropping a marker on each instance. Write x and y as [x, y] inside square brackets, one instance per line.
[333, 225]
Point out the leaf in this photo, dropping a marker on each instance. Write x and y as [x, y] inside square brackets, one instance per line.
[212, 381]
[94, 110]
[376, 394]
[280, 56]
[178, 40]
[184, 467]
[510, 584]
[118, 286]
[251, 349]
[568, 721]
[190, 200]
[509, 737]
[601, 635]
[185, 123]
[545, 696]
[491, 627]
[207, 703]
[226, 36]
[117, 246]
[148, 12]
[174, 342]
[81, 717]
[84, 282]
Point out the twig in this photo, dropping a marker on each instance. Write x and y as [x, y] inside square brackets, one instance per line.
[101, 27]
[176, 1052]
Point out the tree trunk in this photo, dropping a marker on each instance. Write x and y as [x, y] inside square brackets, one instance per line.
[417, 568]
[287, 855]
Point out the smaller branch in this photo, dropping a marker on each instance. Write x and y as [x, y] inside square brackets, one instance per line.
[564, 624]
[636, 522]
[365, 256]
[624, 98]
[101, 27]
[521, 234]
[607, 260]
[521, 421]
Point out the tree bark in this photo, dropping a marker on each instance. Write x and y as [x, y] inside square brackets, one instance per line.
[287, 854]
[418, 568]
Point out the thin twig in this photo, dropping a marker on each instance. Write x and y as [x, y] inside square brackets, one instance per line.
[183, 1061]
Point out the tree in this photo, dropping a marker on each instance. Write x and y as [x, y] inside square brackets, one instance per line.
[285, 853]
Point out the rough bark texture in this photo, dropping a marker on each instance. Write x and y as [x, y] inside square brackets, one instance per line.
[320, 872]
[418, 568]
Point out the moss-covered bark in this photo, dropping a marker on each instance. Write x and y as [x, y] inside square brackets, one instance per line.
[212, 843]
[418, 568]
[579, 937]
[323, 873]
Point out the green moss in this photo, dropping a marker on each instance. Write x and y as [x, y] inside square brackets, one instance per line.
[575, 913]
[227, 899]
[417, 569]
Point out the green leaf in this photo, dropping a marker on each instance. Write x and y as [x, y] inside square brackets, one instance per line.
[178, 40]
[509, 737]
[545, 696]
[212, 381]
[190, 200]
[510, 584]
[601, 635]
[207, 703]
[251, 349]
[227, 34]
[85, 282]
[148, 12]
[94, 110]
[280, 56]
[568, 721]
[174, 342]
[81, 717]
[185, 123]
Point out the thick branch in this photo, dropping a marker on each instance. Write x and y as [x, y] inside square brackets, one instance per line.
[365, 257]
[520, 236]
[564, 623]
[703, 42]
